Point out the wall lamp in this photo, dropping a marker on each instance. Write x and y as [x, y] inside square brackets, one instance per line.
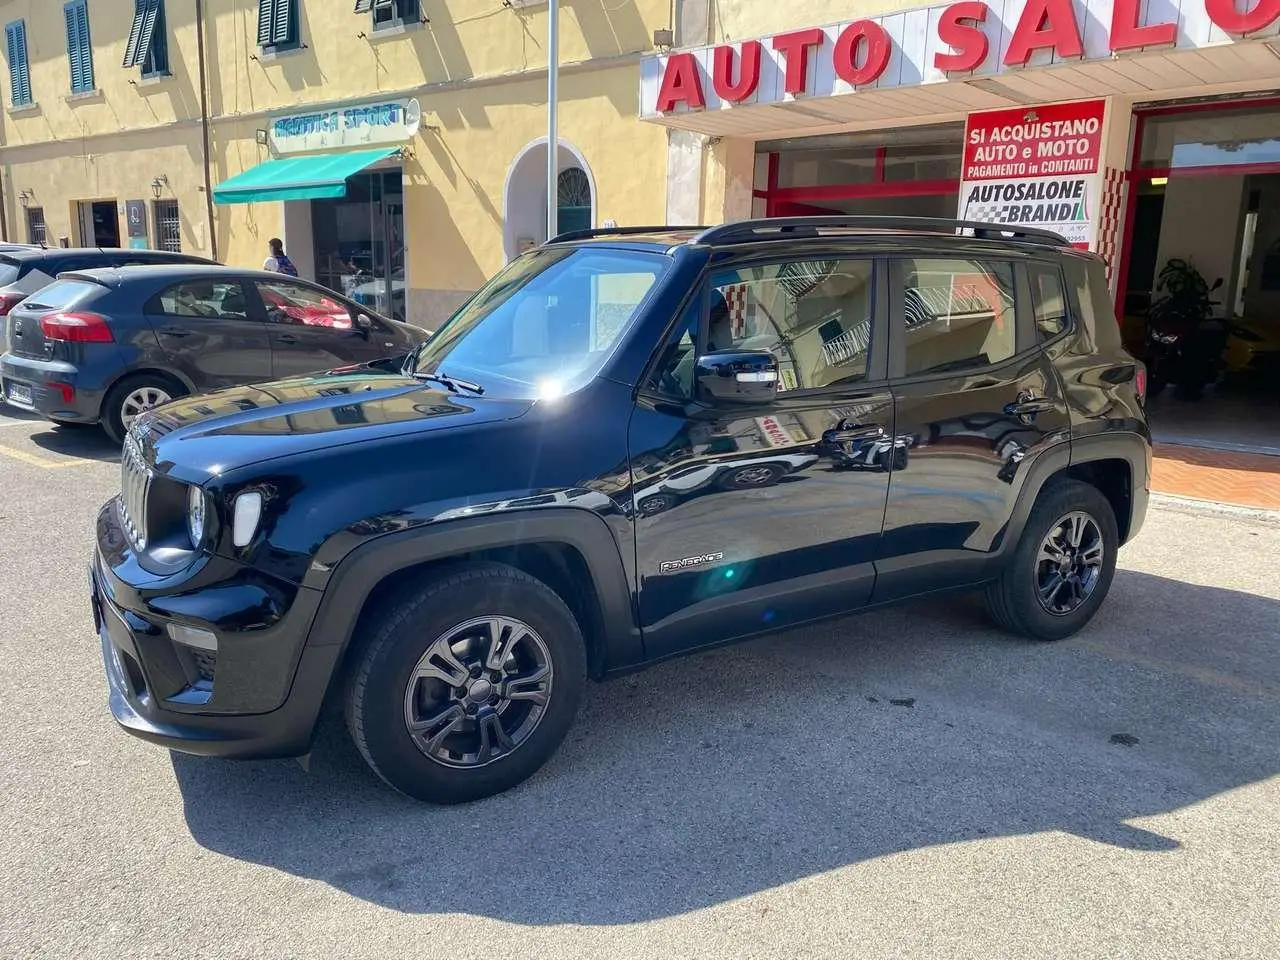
[159, 184]
[25, 197]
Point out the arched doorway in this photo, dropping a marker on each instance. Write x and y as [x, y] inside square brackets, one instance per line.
[525, 196]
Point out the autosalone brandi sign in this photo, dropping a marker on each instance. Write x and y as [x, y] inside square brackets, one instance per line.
[369, 124]
[1037, 167]
[970, 38]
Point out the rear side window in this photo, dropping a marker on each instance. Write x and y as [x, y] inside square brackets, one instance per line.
[9, 272]
[959, 313]
[60, 295]
[201, 299]
[1048, 300]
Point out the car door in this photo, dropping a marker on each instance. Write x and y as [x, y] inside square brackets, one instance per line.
[750, 517]
[976, 402]
[313, 329]
[209, 331]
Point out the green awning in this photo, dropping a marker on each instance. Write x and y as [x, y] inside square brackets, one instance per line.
[298, 178]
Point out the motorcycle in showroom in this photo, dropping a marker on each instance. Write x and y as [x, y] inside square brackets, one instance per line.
[1185, 339]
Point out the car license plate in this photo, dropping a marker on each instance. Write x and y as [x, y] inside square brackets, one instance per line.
[20, 394]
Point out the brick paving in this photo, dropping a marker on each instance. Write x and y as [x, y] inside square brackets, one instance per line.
[1243, 479]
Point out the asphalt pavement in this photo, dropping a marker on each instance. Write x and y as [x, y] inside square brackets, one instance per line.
[909, 783]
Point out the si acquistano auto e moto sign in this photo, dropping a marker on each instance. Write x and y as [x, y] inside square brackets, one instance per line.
[1038, 167]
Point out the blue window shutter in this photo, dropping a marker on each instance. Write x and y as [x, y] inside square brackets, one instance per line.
[24, 84]
[283, 28]
[364, 6]
[79, 49]
[15, 35]
[266, 18]
[132, 50]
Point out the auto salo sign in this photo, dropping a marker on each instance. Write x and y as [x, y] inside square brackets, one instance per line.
[1037, 167]
[370, 124]
[934, 44]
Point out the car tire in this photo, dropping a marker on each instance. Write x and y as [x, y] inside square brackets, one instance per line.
[443, 629]
[1016, 601]
[126, 392]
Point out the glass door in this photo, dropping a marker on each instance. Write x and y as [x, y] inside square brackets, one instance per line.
[359, 242]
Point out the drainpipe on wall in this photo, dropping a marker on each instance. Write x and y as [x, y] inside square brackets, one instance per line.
[4, 214]
[204, 132]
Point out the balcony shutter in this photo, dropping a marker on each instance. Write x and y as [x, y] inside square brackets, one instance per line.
[364, 6]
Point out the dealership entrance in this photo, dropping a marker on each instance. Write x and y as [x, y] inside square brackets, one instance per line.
[1203, 209]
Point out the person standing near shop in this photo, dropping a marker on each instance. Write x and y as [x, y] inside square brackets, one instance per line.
[278, 262]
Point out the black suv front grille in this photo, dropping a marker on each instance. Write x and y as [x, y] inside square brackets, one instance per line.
[135, 482]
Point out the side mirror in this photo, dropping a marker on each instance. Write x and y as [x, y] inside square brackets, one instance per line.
[737, 376]
[363, 325]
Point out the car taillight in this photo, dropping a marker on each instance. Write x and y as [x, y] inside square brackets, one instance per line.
[76, 327]
[1140, 381]
[8, 301]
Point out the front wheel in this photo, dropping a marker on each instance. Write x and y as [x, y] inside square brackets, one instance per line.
[467, 685]
[1063, 566]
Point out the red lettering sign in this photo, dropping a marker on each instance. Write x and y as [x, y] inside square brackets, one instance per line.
[874, 39]
[795, 51]
[748, 74]
[1060, 139]
[1225, 15]
[1045, 25]
[958, 29]
[680, 84]
[1127, 35]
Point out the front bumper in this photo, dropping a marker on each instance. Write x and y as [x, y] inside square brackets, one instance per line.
[47, 380]
[259, 697]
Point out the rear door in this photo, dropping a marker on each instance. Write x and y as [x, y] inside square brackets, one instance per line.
[313, 329]
[976, 402]
[211, 332]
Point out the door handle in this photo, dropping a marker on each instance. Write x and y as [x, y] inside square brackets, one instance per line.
[175, 331]
[846, 432]
[288, 338]
[1027, 406]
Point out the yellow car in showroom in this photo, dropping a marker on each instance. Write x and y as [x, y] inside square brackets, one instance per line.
[1253, 347]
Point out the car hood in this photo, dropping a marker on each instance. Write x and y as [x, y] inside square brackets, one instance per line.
[215, 433]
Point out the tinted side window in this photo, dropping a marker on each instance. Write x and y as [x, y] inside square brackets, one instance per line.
[958, 312]
[673, 375]
[292, 303]
[1048, 300]
[814, 316]
[201, 298]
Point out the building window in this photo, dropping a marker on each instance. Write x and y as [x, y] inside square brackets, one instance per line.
[278, 25]
[15, 35]
[168, 226]
[390, 13]
[79, 47]
[573, 200]
[35, 225]
[148, 46]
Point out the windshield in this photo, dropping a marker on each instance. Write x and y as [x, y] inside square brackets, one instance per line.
[545, 324]
[60, 294]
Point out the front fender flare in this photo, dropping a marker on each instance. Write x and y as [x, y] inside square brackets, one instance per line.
[354, 579]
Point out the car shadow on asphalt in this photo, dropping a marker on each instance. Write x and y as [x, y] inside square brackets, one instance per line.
[84, 441]
[738, 770]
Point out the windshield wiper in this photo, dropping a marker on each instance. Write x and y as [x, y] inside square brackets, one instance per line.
[452, 384]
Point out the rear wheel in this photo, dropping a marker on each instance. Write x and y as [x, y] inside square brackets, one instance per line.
[132, 396]
[1063, 565]
[467, 685]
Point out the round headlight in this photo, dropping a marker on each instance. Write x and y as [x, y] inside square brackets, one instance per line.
[195, 515]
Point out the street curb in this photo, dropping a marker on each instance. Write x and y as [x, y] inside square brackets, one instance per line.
[1213, 506]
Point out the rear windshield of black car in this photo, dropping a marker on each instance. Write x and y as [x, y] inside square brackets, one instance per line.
[10, 270]
[60, 294]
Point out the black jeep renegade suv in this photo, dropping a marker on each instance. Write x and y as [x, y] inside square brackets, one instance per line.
[630, 444]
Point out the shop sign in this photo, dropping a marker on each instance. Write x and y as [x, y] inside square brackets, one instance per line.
[775, 434]
[1036, 167]
[933, 44]
[370, 124]
[135, 212]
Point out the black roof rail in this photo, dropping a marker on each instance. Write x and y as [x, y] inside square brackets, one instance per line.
[744, 231]
[622, 232]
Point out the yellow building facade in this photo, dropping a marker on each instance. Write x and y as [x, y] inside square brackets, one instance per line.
[414, 130]
[463, 82]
